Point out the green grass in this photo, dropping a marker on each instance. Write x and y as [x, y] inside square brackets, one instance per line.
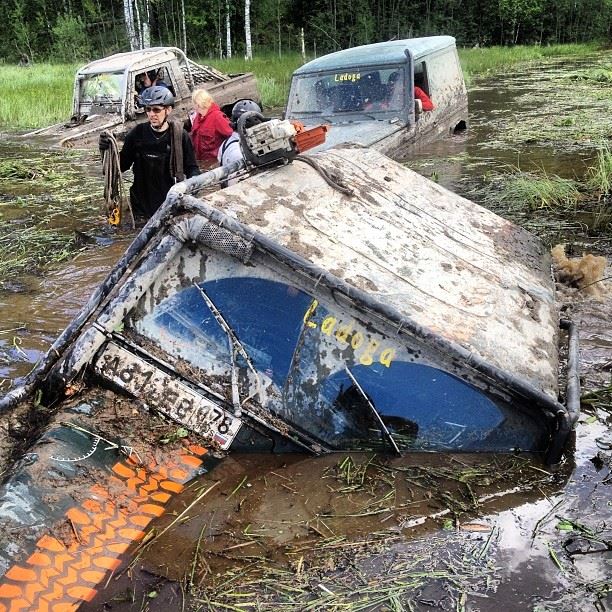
[528, 191]
[273, 73]
[599, 176]
[36, 96]
[602, 74]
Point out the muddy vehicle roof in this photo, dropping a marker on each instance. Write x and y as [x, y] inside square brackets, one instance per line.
[378, 53]
[440, 260]
[133, 60]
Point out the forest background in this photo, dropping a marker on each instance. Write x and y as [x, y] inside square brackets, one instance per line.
[76, 30]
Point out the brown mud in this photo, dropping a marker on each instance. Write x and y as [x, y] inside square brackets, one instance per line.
[363, 532]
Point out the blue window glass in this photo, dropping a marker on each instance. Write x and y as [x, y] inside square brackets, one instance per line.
[426, 408]
[265, 315]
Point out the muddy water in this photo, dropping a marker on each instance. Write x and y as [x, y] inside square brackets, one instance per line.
[425, 532]
[32, 317]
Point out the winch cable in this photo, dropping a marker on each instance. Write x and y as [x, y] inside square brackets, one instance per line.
[327, 177]
[114, 192]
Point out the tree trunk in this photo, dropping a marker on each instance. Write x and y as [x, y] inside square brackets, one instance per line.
[247, 29]
[302, 45]
[129, 24]
[184, 26]
[280, 50]
[219, 30]
[145, 30]
[228, 33]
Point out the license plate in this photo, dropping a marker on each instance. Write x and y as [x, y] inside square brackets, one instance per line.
[167, 395]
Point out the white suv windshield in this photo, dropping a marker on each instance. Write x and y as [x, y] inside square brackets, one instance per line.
[358, 91]
[104, 88]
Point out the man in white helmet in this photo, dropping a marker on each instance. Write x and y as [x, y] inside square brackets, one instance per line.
[159, 151]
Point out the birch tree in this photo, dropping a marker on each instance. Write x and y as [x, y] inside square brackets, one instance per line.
[145, 30]
[228, 33]
[247, 29]
[183, 26]
[129, 25]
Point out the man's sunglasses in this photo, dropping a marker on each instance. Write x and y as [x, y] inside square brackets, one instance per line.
[154, 109]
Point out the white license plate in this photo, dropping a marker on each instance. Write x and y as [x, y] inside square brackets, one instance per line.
[167, 395]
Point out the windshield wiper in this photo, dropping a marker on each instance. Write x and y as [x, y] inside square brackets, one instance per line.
[378, 417]
[237, 347]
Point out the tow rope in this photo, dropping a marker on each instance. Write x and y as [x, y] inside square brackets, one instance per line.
[115, 201]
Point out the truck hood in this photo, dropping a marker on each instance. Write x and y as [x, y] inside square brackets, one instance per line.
[365, 133]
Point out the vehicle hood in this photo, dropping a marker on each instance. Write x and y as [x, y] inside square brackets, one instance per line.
[365, 133]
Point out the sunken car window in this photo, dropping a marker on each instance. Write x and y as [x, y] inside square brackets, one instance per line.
[351, 91]
[102, 88]
[266, 317]
[346, 378]
[425, 408]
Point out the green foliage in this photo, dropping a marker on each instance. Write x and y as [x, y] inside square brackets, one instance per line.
[490, 60]
[22, 28]
[70, 40]
[36, 96]
[527, 190]
[597, 75]
[599, 176]
[273, 73]
[42, 94]
[174, 436]
[56, 28]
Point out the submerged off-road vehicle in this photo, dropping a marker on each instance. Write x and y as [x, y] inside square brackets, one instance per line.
[106, 91]
[367, 94]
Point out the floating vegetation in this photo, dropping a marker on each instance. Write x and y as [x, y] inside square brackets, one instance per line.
[20, 170]
[570, 114]
[45, 199]
[491, 60]
[598, 402]
[29, 248]
[376, 573]
[362, 559]
[602, 74]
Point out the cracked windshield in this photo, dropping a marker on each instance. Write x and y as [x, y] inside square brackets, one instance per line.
[306, 308]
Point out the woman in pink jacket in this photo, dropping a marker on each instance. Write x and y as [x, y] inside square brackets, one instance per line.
[209, 128]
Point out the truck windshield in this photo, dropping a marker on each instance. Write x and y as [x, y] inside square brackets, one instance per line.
[325, 372]
[349, 91]
[103, 88]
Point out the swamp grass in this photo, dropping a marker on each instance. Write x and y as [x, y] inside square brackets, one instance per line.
[528, 196]
[41, 94]
[36, 96]
[531, 191]
[40, 226]
[486, 61]
[599, 176]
